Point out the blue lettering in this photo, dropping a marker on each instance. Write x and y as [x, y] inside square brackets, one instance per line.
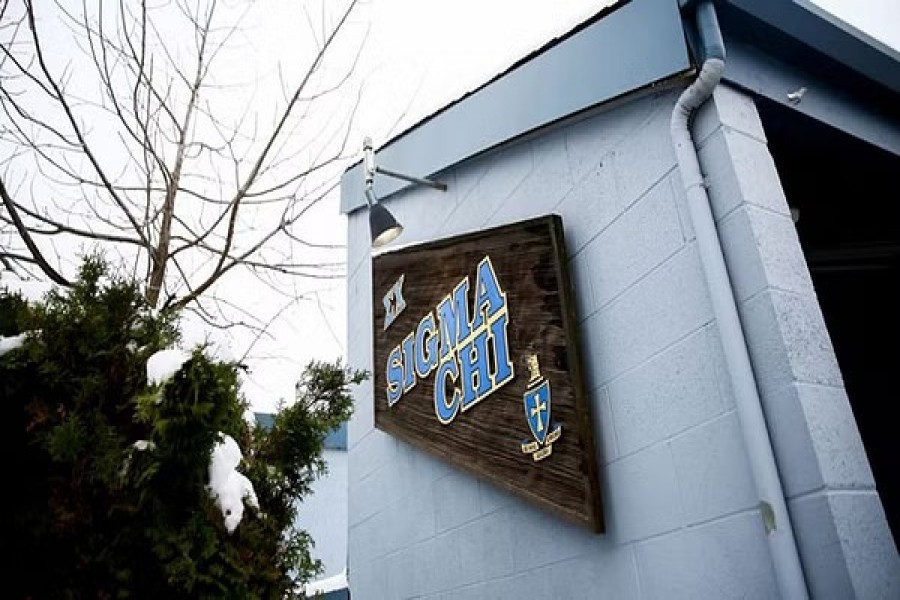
[394, 376]
[488, 297]
[462, 350]
[409, 372]
[426, 351]
[501, 352]
[474, 370]
[444, 409]
[454, 318]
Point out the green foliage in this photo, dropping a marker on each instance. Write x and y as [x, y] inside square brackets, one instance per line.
[100, 516]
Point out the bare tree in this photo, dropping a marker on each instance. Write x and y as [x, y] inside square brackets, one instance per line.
[133, 143]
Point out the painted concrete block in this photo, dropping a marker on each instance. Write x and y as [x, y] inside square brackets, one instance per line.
[363, 419]
[403, 577]
[722, 183]
[366, 539]
[412, 207]
[535, 584]
[493, 498]
[371, 452]
[632, 245]
[464, 558]
[641, 495]
[762, 250]
[815, 437]
[846, 546]
[408, 521]
[456, 500]
[646, 155]
[684, 217]
[798, 465]
[678, 388]
[359, 338]
[724, 559]
[739, 169]
[439, 565]
[360, 284]
[580, 275]
[429, 209]
[425, 468]
[408, 473]
[591, 205]
[665, 306]
[415, 471]
[324, 514]
[788, 340]
[507, 172]
[608, 574]
[835, 437]
[367, 495]
[728, 108]
[367, 580]
[483, 549]
[541, 538]
[820, 549]
[603, 427]
[547, 183]
[713, 473]
[358, 240]
[591, 138]
[872, 559]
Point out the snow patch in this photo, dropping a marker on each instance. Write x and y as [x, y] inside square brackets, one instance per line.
[329, 584]
[216, 343]
[8, 344]
[165, 363]
[228, 487]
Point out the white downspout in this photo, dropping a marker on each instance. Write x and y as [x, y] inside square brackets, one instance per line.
[773, 508]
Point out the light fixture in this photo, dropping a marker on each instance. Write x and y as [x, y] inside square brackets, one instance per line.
[382, 224]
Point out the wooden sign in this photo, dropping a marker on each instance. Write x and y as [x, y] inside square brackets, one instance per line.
[477, 361]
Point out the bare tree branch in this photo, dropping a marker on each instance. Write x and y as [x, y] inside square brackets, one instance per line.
[60, 98]
[145, 138]
[36, 254]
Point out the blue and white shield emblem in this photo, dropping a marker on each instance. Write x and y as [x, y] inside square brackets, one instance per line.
[537, 413]
[537, 410]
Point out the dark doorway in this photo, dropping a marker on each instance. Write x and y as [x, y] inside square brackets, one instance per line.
[847, 200]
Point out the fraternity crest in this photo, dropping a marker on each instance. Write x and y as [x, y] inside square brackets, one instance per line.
[537, 412]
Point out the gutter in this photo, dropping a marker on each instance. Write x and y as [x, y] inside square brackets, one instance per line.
[772, 505]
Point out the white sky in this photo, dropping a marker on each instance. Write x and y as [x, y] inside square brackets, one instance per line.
[879, 19]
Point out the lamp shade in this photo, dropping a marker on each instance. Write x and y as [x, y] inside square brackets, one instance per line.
[383, 225]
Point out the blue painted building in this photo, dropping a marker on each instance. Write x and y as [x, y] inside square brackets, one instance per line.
[323, 514]
[726, 176]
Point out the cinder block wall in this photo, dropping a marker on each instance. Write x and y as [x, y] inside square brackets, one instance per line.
[845, 542]
[679, 502]
[324, 514]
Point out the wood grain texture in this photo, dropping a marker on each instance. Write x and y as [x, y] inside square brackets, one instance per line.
[531, 267]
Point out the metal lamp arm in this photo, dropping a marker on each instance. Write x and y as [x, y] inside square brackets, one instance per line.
[372, 169]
